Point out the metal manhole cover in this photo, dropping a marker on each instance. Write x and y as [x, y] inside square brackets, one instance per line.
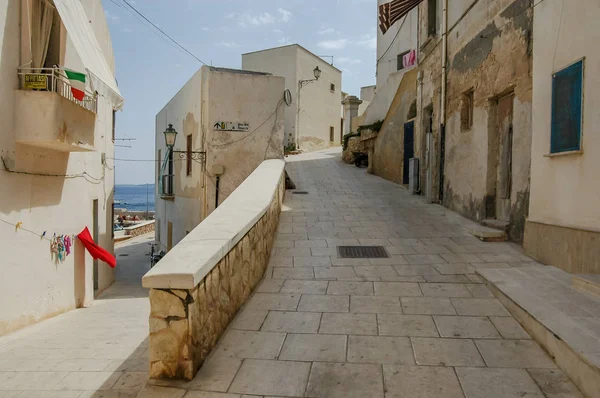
[362, 252]
[300, 193]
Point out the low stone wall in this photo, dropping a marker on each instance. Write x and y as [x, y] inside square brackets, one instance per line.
[193, 302]
[140, 229]
[354, 145]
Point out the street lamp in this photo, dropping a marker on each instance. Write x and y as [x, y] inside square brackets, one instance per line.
[189, 155]
[170, 137]
[302, 83]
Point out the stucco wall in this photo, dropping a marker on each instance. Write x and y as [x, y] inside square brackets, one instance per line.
[565, 189]
[564, 227]
[36, 287]
[209, 97]
[393, 43]
[490, 56]
[368, 93]
[319, 106]
[388, 153]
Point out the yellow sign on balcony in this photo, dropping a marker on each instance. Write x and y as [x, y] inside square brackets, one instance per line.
[36, 82]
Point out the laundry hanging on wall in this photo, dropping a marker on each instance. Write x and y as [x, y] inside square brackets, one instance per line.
[96, 251]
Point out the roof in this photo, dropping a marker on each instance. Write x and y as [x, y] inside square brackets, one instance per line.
[299, 46]
[239, 71]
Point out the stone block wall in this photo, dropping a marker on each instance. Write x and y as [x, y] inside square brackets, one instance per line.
[141, 229]
[185, 325]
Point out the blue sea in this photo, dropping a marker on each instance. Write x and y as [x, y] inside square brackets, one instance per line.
[133, 197]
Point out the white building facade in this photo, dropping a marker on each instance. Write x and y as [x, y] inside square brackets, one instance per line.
[228, 121]
[57, 174]
[313, 121]
[563, 227]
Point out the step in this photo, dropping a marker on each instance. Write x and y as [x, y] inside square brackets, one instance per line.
[587, 283]
[563, 320]
[487, 234]
[496, 224]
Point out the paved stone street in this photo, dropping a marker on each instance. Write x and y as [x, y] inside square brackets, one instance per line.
[417, 324]
[100, 351]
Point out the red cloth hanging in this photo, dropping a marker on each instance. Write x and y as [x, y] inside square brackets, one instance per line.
[96, 251]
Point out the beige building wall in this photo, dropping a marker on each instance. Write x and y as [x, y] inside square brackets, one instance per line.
[563, 228]
[35, 286]
[319, 105]
[211, 96]
[401, 37]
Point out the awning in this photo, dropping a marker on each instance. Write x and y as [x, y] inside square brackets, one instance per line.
[390, 13]
[81, 34]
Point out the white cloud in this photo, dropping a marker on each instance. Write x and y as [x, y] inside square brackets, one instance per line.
[368, 41]
[277, 31]
[285, 40]
[246, 19]
[327, 31]
[333, 44]
[127, 30]
[285, 15]
[205, 29]
[227, 44]
[348, 61]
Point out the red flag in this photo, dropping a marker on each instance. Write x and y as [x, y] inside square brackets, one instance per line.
[96, 251]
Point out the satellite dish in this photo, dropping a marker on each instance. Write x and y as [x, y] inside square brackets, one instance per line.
[287, 97]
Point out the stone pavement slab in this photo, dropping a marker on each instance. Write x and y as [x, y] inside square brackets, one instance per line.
[319, 326]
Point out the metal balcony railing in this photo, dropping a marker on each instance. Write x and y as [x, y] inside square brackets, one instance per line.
[167, 185]
[54, 79]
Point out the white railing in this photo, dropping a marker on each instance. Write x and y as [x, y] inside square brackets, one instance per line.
[55, 80]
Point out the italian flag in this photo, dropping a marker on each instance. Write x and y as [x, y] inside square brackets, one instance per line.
[77, 81]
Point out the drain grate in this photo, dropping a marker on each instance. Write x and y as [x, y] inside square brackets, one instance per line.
[300, 193]
[362, 252]
[124, 255]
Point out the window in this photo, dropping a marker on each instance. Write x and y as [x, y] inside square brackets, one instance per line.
[567, 94]
[466, 111]
[159, 165]
[114, 119]
[332, 87]
[331, 136]
[432, 8]
[400, 64]
[188, 171]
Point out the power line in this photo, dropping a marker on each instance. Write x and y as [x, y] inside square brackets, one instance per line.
[164, 33]
[393, 40]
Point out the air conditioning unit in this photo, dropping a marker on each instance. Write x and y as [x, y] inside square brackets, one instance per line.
[413, 179]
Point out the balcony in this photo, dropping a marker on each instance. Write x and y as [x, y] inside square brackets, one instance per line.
[166, 191]
[47, 115]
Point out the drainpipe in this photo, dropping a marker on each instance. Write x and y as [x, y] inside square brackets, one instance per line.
[444, 94]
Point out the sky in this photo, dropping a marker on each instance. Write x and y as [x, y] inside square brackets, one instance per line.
[150, 69]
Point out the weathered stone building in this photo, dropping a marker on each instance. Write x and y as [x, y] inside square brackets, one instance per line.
[474, 123]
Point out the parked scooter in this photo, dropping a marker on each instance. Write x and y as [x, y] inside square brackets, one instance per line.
[361, 159]
[155, 256]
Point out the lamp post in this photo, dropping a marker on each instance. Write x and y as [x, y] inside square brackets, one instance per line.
[302, 83]
[170, 138]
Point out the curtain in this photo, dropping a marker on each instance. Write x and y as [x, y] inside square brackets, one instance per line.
[42, 14]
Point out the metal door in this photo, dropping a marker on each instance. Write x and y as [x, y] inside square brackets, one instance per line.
[409, 150]
[505, 140]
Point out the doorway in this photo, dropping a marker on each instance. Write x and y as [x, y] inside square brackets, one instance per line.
[504, 129]
[169, 236]
[409, 150]
[95, 233]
